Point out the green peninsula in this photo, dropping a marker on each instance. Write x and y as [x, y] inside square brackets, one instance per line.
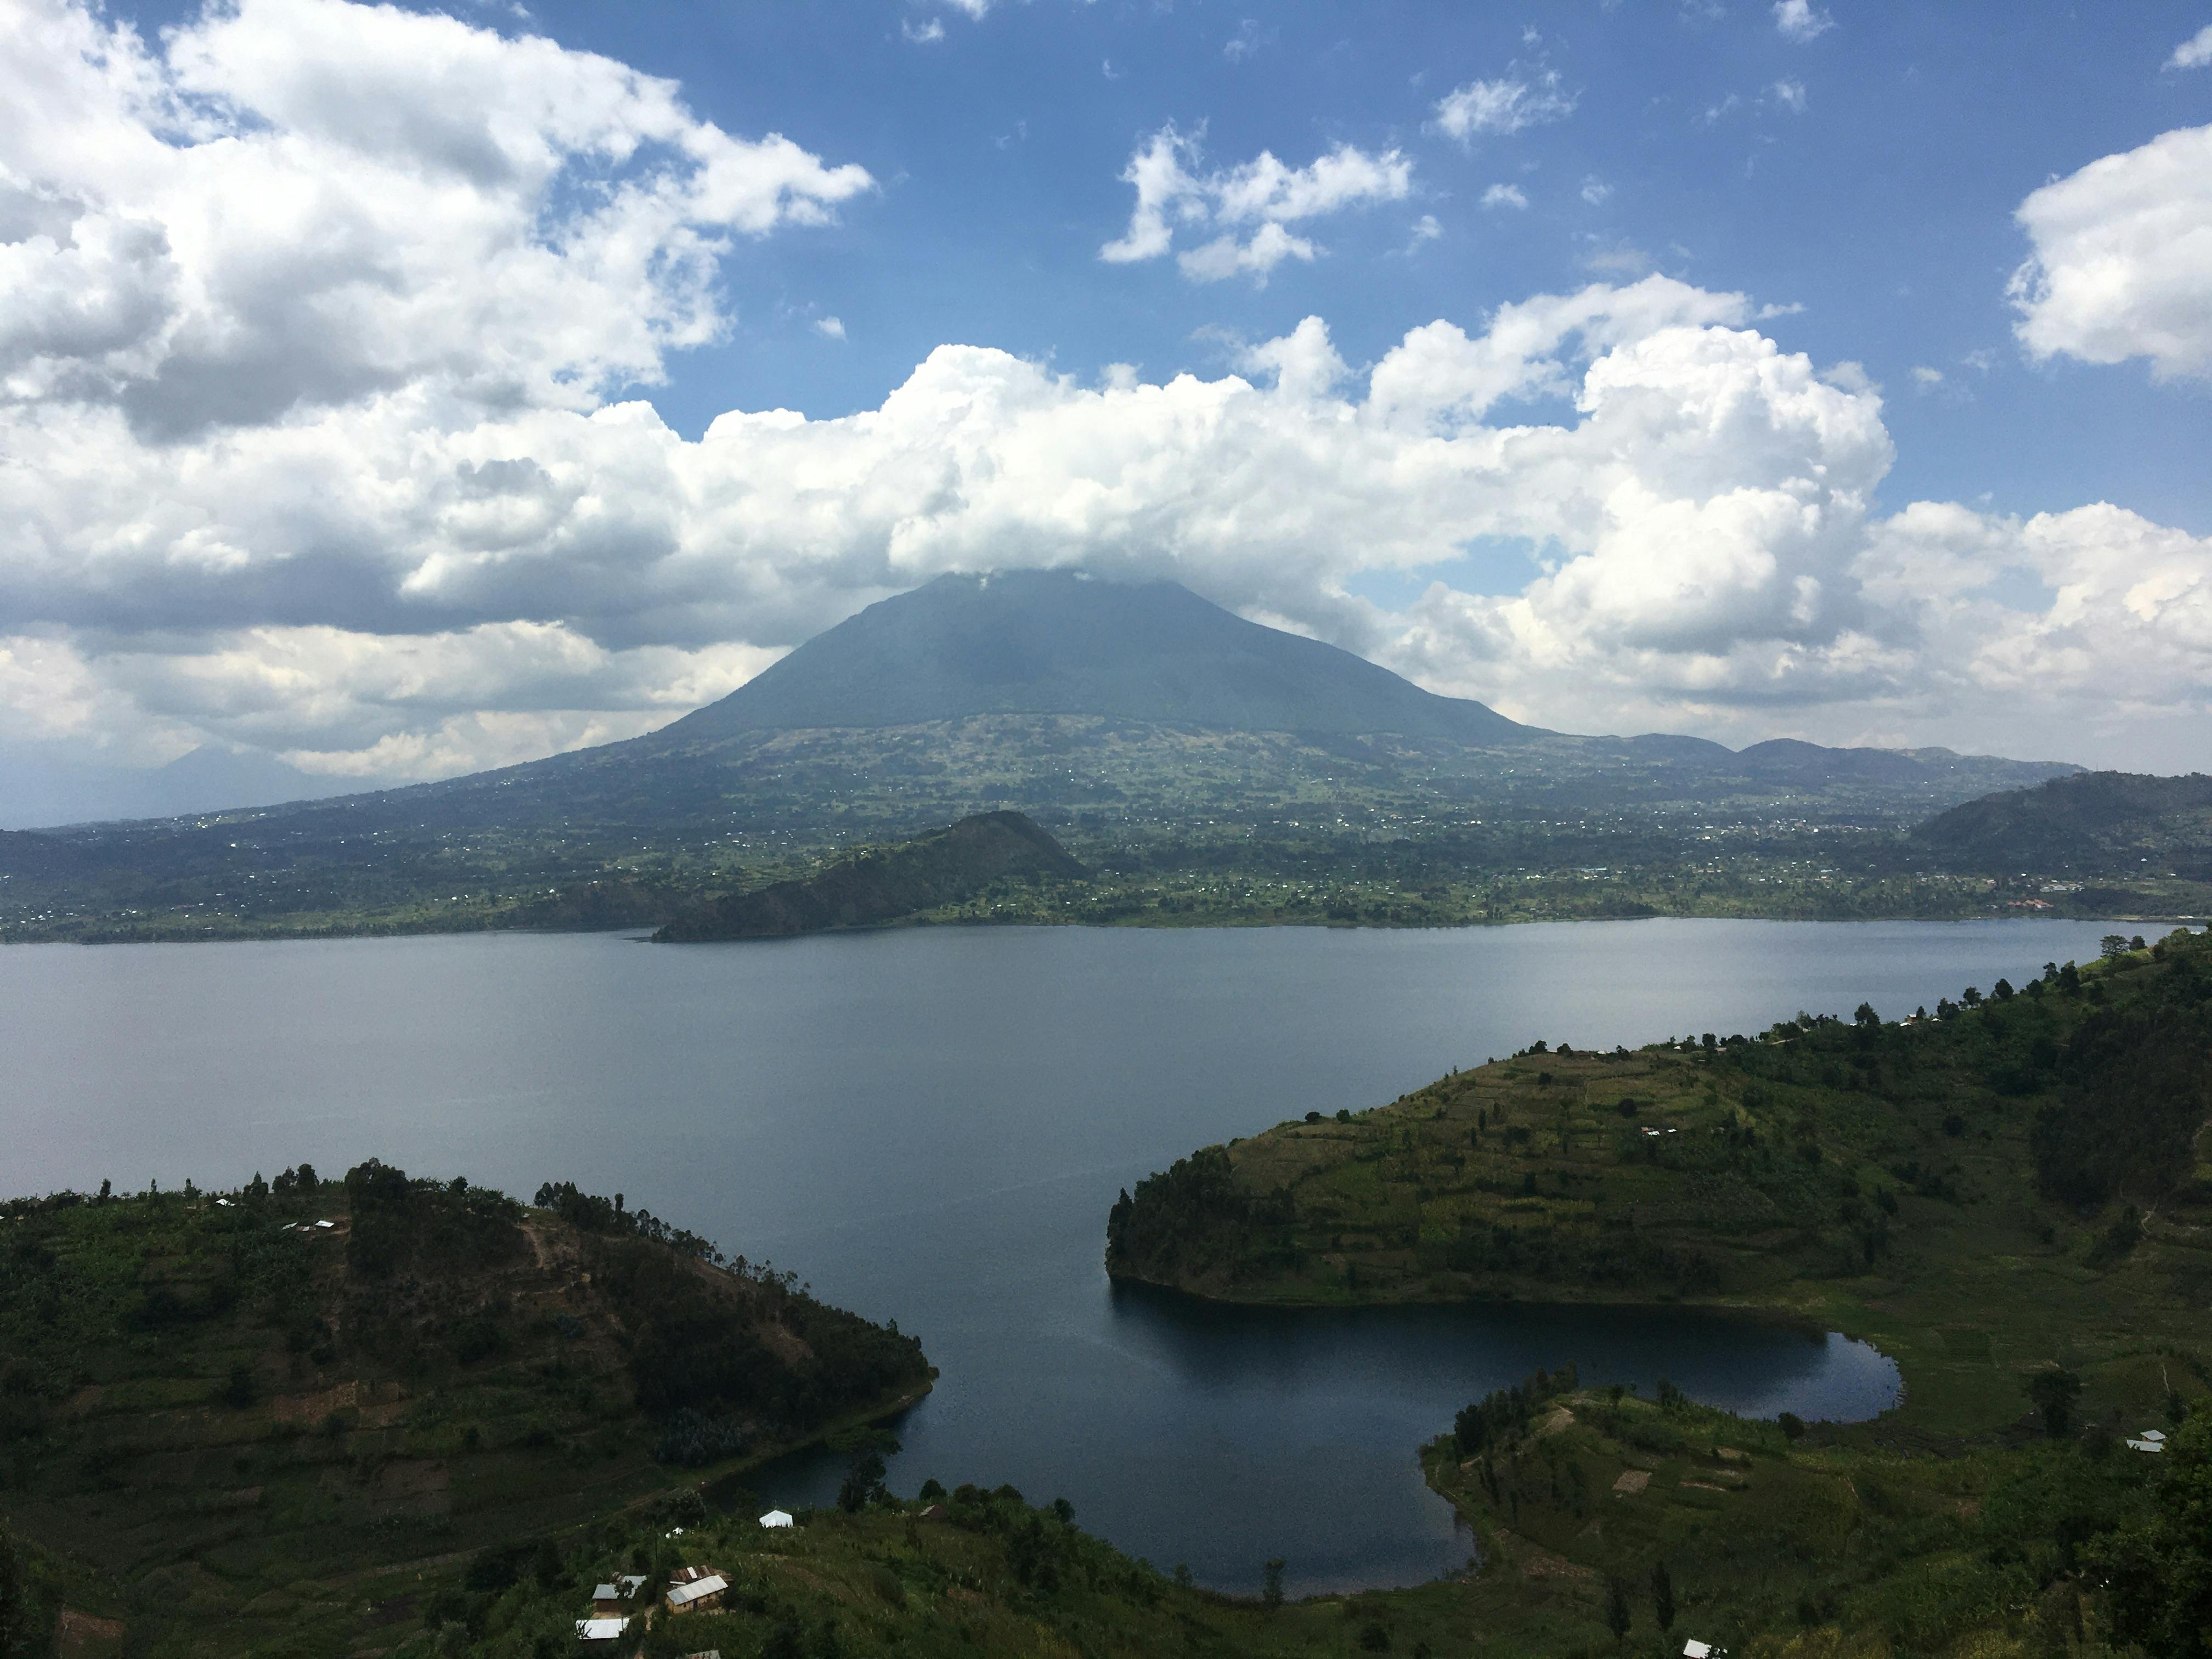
[2015, 1145]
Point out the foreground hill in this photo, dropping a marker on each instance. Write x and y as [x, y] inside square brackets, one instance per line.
[881, 885]
[2092, 824]
[246, 1426]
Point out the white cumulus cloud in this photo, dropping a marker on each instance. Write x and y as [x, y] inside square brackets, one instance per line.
[2195, 52]
[2122, 265]
[386, 510]
[299, 202]
[1249, 207]
[1509, 196]
[1503, 107]
[1801, 20]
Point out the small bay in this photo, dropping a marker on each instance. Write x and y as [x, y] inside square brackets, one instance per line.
[929, 1125]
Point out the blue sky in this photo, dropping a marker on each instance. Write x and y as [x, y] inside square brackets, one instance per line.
[1884, 207]
[1826, 370]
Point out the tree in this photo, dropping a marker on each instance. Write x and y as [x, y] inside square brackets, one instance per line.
[866, 1449]
[1616, 1608]
[1792, 1425]
[1865, 1018]
[2111, 945]
[2159, 1567]
[1270, 1583]
[1662, 1597]
[20, 1633]
[2054, 1394]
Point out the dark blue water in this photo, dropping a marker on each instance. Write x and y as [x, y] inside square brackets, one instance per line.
[929, 1125]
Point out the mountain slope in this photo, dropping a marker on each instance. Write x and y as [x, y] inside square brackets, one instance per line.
[2094, 823]
[1065, 642]
[883, 883]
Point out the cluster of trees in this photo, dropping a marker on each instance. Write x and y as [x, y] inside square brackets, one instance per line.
[2136, 1082]
[424, 1227]
[590, 1212]
[28, 1602]
[1183, 1220]
[696, 1345]
[1504, 1412]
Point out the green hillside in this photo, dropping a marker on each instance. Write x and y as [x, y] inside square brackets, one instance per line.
[948, 866]
[2096, 824]
[2012, 1197]
[240, 1429]
[2004, 1138]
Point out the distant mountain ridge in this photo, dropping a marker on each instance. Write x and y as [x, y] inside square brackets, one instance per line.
[1066, 642]
[1153, 730]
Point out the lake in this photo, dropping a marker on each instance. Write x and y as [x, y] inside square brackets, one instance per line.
[929, 1125]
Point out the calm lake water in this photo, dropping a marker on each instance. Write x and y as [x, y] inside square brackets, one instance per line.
[929, 1124]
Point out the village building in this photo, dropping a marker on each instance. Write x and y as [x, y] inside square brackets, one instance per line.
[600, 1629]
[777, 1518]
[704, 1592]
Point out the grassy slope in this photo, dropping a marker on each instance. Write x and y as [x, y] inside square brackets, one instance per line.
[243, 1436]
[1837, 1544]
[1919, 1225]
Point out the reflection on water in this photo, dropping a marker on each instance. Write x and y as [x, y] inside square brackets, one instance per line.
[930, 1125]
[1221, 1436]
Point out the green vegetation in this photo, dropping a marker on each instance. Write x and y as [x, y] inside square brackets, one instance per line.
[2013, 1197]
[240, 1429]
[1665, 1521]
[1209, 771]
[2093, 824]
[1179, 827]
[948, 866]
[436, 1425]
[1914, 1166]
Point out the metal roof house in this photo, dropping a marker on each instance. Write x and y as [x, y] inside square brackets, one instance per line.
[600, 1629]
[698, 1593]
[777, 1518]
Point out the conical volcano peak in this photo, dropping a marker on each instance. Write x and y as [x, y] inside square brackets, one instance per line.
[1074, 643]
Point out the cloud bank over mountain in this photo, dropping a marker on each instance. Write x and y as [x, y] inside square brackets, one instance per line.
[321, 325]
